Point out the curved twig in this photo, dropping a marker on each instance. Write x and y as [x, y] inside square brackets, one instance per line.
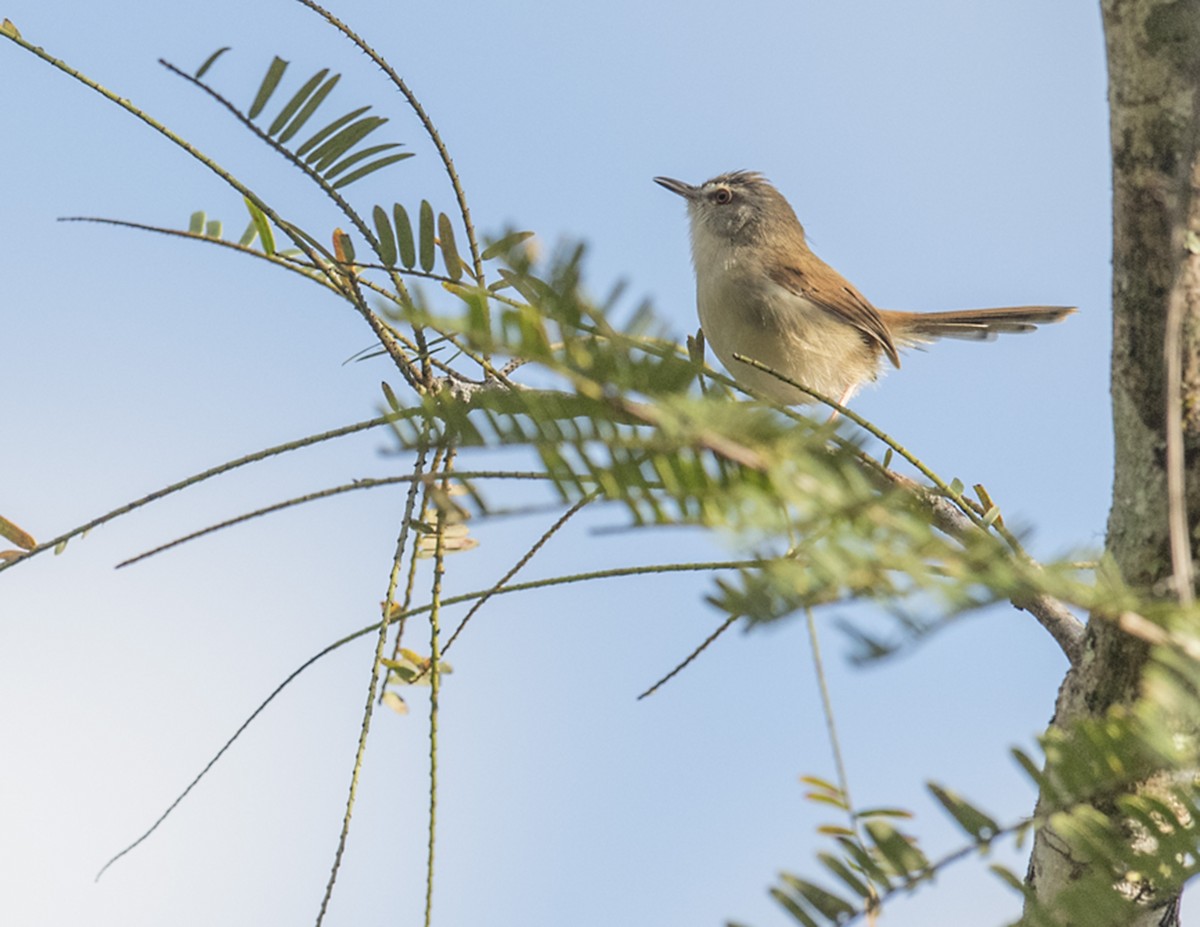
[200, 477]
[426, 123]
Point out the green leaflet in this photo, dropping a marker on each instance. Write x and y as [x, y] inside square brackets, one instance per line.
[351, 160]
[269, 82]
[502, 246]
[297, 100]
[426, 242]
[975, 822]
[387, 239]
[249, 235]
[262, 226]
[404, 236]
[329, 151]
[370, 168]
[454, 269]
[324, 133]
[210, 61]
[309, 108]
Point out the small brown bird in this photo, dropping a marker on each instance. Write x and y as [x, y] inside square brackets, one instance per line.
[763, 294]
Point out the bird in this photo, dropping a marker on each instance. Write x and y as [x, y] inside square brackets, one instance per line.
[764, 295]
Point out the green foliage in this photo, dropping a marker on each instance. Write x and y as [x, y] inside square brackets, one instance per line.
[621, 415]
[1121, 792]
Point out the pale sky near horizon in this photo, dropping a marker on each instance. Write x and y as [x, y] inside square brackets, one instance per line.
[940, 154]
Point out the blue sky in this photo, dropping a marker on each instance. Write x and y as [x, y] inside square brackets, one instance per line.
[940, 154]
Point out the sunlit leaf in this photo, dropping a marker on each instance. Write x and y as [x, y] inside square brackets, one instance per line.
[212, 228]
[836, 800]
[395, 702]
[390, 395]
[249, 235]
[262, 225]
[196, 222]
[269, 82]
[883, 813]
[18, 536]
[343, 247]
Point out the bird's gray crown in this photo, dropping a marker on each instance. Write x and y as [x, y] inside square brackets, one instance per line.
[743, 205]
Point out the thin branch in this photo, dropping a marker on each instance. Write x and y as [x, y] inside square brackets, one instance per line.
[835, 746]
[1177, 514]
[954, 514]
[311, 272]
[426, 123]
[374, 626]
[325, 494]
[875, 431]
[380, 644]
[229, 743]
[435, 680]
[326, 188]
[318, 274]
[682, 665]
[177, 140]
[1049, 612]
[200, 477]
[398, 356]
[520, 564]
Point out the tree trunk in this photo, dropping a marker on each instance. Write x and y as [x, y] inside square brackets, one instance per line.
[1154, 100]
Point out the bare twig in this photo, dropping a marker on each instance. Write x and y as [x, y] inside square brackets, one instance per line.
[1177, 514]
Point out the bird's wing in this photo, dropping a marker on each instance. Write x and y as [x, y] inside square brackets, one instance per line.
[824, 287]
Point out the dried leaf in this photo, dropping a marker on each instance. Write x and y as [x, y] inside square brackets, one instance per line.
[18, 536]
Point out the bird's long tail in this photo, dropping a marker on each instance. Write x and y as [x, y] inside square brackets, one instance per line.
[915, 328]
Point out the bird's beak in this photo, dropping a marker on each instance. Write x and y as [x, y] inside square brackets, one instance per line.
[686, 190]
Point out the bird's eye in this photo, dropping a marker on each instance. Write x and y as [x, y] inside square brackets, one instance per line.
[723, 196]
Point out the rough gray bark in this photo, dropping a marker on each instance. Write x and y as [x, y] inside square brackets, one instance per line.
[1154, 101]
